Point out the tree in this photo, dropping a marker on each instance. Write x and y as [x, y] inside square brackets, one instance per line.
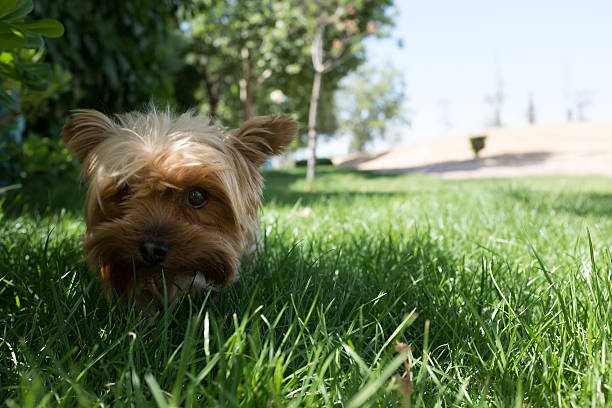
[211, 64]
[122, 54]
[336, 31]
[369, 101]
[241, 52]
[496, 101]
[582, 100]
[531, 115]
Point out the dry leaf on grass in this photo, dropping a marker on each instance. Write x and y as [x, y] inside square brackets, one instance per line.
[405, 383]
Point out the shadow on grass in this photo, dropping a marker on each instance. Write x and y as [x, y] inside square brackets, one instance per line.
[288, 187]
[290, 198]
[585, 203]
[277, 180]
[41, 198]
[375, 277]
[500, 160]
[575, 203]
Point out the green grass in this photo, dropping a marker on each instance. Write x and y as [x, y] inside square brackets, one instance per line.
[501, 287]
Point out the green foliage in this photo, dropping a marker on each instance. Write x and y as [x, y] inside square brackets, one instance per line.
[37, 162]
[321, 161]
[121, 55]
[369, 101]
[25, 82]
[45, 160]
[239, 52]
[266, 47]
[20, 63]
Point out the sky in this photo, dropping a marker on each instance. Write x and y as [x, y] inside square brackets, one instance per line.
[455, 53]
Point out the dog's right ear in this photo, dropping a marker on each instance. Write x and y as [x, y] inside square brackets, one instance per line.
[85, 130]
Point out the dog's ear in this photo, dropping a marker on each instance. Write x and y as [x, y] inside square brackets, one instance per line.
[265, 136]
[85, 130]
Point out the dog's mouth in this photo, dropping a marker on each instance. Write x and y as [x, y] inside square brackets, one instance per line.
[216, 273]
[167, 280]
[161, 265]
[166, 287]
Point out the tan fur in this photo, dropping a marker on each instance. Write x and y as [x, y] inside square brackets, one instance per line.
[161, 157]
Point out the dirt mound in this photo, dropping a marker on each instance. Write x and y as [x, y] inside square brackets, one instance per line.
[577, 148]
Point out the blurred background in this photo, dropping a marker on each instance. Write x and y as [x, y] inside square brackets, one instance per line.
[459, 89]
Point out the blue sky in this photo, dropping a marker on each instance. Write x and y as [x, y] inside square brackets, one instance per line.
[456, 51]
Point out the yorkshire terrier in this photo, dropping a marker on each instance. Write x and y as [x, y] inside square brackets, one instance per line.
[172, 203]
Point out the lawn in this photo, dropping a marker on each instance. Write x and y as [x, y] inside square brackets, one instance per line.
[501, 289]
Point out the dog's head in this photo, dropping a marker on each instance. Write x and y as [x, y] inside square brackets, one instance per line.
[170, 197]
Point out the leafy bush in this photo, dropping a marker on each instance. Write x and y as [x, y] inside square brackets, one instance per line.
[25, 80]
[477, 143]
[44, 157]
[19, 60]
[320, 161]
[121, 54]
[39, 160]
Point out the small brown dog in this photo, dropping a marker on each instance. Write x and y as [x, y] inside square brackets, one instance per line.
[172, 203]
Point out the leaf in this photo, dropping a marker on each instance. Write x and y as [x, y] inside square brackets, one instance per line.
[32, 73]
[23, 8]
[8, 70]
[7, 101]
[6, 7]
[47, 27]
[33, 40]
[11, 37]
[7, 58]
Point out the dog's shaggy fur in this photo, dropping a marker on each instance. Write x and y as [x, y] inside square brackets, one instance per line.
[171, 197]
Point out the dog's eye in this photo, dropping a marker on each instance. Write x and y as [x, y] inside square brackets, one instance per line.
[124, 191]
[197, 197]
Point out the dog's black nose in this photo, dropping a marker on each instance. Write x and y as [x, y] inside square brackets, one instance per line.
[153, 252]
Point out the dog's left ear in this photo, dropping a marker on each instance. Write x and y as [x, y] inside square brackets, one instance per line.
[265, 136]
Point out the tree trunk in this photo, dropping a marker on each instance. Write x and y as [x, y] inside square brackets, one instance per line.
[312, 125]
[213, 93]
[213, 101]
[316, 51]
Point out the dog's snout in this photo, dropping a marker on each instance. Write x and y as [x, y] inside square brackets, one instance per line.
[153, 252]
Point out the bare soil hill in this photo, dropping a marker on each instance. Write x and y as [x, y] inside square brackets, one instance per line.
[577, 148]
